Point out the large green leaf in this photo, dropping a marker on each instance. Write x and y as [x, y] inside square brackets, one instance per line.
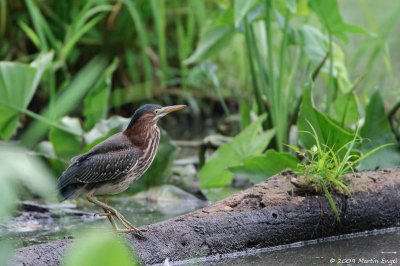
[329, 15]
[251, 141]
[95, 105]
[102, 249]
[18, 83]
[104, 129]
[316, 46]
[241, 8]
[376, 131]
[20, 168]
[214, 37]
[68, 99]
[346, 109]
[65, 144]
[218, 193]
[259, 168]
[328, 131]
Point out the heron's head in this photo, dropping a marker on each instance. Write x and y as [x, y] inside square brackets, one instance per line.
[149, 114]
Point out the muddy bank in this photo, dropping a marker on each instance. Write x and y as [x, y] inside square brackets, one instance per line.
[265, 215]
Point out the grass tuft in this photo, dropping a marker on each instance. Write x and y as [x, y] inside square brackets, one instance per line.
[323, 169]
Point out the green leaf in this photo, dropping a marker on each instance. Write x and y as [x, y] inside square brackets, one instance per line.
[346, 109]
[30, 33]
[165, 194]
[39, 23]
[251, 141]
[68, 99]
[218, 193]
[316, 45]
[95, 104]
[82, 23]
[45, 149]
[20, 168]
[259, 168]
[376, 131]
[283, 5]
[213, 38]
[102, 249]
[329, 15]
[6, 250]
[104, 129]
[18, 83]
[241, 8]
[65, 144]
[244, 113]
[328, 132]
[8, 196]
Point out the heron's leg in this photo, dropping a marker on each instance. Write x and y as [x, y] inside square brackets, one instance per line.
[109, 212]
[109, 215]
[106, 213]
[129, 227]
[112, 220]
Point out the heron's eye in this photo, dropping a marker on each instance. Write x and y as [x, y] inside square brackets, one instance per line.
[156, 111]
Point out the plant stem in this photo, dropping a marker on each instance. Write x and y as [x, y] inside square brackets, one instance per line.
[253, 75]
[330, 94]
[274, 100]
[268, 7]
[282, 51]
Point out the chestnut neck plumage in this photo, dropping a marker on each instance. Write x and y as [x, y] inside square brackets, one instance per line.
[142, 131]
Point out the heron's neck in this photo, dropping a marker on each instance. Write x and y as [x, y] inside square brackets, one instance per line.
[142, 134]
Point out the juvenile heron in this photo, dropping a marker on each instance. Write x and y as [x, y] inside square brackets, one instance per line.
[111, 166]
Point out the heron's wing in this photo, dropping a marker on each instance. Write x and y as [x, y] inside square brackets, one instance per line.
[116, 142]
[99, 167]
[108, 160]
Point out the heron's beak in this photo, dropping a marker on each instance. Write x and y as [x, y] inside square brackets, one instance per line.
[169, 109]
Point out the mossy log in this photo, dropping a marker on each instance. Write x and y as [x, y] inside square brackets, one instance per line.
[265, 215]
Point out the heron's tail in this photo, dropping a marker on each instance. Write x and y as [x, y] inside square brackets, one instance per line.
[69, 191]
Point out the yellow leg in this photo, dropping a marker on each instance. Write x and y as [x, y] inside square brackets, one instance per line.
[110, 212]
[109, 215]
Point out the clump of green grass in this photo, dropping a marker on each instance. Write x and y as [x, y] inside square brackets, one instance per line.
[323, 167]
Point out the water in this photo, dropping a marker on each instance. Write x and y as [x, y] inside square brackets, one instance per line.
[379, 247]
[37, 228]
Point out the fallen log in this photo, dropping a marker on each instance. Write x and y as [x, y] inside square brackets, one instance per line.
[265, 215]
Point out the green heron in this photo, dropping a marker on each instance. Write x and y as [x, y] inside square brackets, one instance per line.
[111, 166]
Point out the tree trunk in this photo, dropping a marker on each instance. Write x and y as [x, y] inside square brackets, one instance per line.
[265, 215]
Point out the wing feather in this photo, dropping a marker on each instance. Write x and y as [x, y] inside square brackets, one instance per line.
[111, 159]
[99, 168]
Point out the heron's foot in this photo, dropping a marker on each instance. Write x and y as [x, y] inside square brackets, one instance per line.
[137, 232]
[104, 214]
[128, 230]
[128, 226]
[112, 213]
[135, 229]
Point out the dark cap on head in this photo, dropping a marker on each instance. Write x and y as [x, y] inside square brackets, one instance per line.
[146, 108]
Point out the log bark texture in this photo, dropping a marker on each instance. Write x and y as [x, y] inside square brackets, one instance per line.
[265, 215]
